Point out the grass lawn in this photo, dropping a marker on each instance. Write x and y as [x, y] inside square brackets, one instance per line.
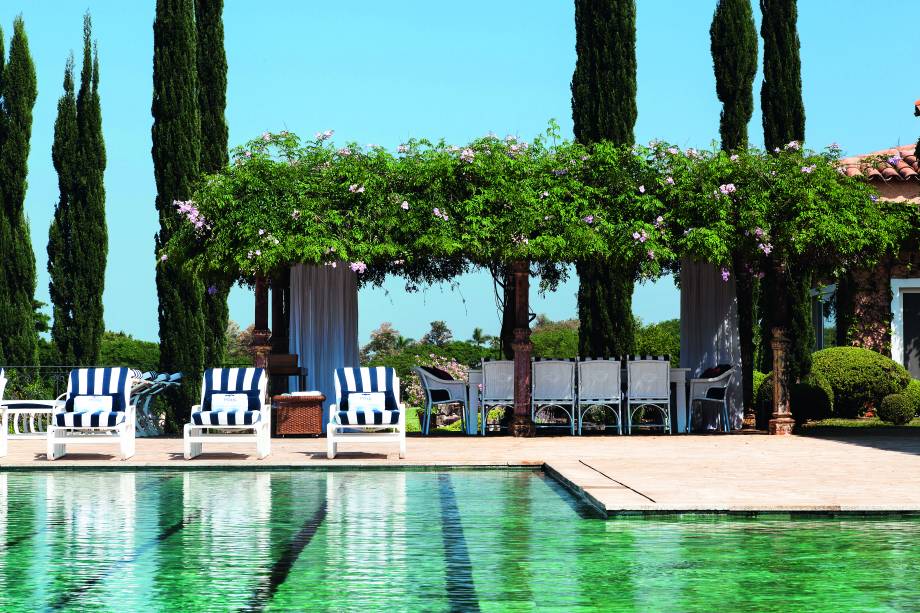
[871, 425]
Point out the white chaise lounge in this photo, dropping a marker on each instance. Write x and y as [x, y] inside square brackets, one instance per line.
[234, 402]
[96, 409]
[366, 409]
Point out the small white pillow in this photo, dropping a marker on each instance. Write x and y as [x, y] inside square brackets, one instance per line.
[367, 401]
[229, 402]
[92, 403]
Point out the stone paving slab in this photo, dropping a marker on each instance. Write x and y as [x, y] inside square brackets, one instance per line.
[615, 474]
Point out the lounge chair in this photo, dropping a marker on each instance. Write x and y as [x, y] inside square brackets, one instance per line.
[233, 401]
[649, 387]
[712, 389]
[599, 388]
[553, 387]
[96, 409]
[440, 388]
[367, 409]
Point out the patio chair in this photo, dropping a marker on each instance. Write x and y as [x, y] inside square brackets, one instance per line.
[553, 387]
[367, 409]
[599, 387]
[649, 387]
[440, 388]
[497, 387]
[712, 388]
[234, 402]
[97, 408]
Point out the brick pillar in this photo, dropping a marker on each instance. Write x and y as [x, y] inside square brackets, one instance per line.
[521, 424]
[260, 346]
[782, 421]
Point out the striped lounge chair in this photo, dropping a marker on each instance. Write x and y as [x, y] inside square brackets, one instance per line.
[234, 402]
[97, 408]
[366, 409]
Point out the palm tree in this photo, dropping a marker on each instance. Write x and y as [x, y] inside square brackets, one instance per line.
[479, 338]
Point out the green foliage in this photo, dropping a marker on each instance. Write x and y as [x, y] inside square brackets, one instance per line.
[78, 237]
[860, 378]
[212, 102]
[120, 349]
[662, 338]
[176, 161]
[758, 380]
[554, 339]
[18, 91]
[912, 391]
[897, 409]
[781, 92]
[810, 399]
[733, 40]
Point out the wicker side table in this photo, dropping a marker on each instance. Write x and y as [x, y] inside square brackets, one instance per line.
[297, 415]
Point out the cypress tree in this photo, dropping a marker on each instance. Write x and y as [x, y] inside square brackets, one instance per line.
[733, 40]
[212, 101]
[781, 92]
[604, 108]
[176, 157]
[78, 240]
[18, 90]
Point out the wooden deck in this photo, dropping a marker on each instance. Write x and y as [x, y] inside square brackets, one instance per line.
[618, 475]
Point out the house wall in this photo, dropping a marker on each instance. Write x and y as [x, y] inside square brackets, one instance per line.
[871, 325]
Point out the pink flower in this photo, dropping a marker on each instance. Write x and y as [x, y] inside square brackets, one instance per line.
[673, 150]
[793, 145]
[356, 189]
[247, 154]
[295, 214]
[261, 232]
[734, 157]
[163, 258]
[636, 236]
[767, 248]
[321, 136]
[758, 231]
[725, 274]
[358, 267]
[809, 169]
[588, 219]
[467, 155]
[728, 188]
[641, 189]
[402, 149]
[651, 254]
[345, 151]
[659, 221]
[266, 136]
[670, 180]
[212, 289]
[405, 205]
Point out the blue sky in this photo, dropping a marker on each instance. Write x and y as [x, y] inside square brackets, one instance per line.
[380, 72]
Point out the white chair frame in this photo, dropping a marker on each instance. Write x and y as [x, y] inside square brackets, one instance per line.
[260, 433]
[590, 397]
[545, 396]
[699, 388]
[648, 392]
[455, 389]
[366, 433]
[122, 434]
[497, 388]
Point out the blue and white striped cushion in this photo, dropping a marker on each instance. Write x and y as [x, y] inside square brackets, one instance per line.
[225, 380]
[100, 382]
[226, 418]
[367, 418]
[89, 419]
[362, 380]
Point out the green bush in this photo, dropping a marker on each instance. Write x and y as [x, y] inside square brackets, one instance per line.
[759, 378]
[897, 409]
[912, 391]
[860, 378]
[810, 399]
[120, 349]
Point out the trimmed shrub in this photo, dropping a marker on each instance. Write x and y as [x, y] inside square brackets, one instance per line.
[810, 399]
[860, 378]
[759, 378]
[912, 391]
[897, 409]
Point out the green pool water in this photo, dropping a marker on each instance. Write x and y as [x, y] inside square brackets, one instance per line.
[417, 541]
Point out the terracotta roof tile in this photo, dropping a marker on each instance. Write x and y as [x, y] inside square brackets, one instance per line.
[896, 164]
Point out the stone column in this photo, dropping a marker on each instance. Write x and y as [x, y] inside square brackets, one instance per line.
[521, 424]
[782, 421]
[260, 346]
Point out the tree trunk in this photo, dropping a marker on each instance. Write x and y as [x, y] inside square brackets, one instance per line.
[522, 425]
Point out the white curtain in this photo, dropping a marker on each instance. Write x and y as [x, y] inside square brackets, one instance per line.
[324, 325]
[709, 328]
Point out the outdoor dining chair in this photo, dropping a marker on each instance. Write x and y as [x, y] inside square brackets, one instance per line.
[599, 388]
[440, 388]
[497, 387]
[649, 387]
[712, 390]
[553, 387]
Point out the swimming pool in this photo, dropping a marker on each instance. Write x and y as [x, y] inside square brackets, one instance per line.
[489, 540]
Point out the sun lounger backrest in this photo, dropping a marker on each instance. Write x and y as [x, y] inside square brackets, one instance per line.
[114, 382]
[249, 381]
[364, 380]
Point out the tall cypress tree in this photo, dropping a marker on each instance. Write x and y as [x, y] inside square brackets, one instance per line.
[733, 40]
[18, 90]
[212, 101]
[176, 159]
[604, 108]
[781, 92]
[784, 121]
[78, 239]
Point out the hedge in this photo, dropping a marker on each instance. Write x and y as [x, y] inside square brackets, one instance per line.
[811, 399]
[860, 378]
[897, 409]
[912, 391]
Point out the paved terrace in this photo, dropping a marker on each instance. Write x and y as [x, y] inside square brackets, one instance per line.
[620, 475]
